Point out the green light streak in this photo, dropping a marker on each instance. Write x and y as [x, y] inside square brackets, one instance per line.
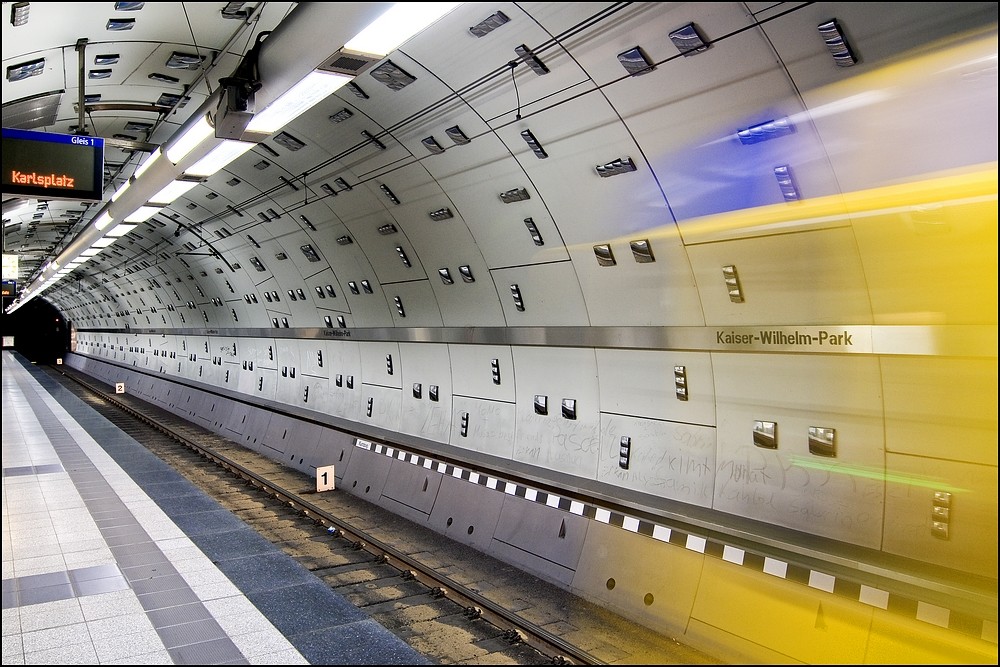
[875, 474]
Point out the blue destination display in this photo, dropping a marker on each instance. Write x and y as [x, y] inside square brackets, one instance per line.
[46, 165]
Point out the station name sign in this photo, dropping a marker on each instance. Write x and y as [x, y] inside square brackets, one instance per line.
[817, 339]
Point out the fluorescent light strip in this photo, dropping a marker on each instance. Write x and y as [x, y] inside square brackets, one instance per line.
[190, 140]
[90, 252]
[103, 220]
[218, 158]
[103, 242]
[120, 191]
[301, 97]
[168, 194]
[120, 230]
[146, 164]
[398, 24]
[142, 214]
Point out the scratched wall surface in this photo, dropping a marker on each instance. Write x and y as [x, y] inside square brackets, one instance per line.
[666, 459]
[839, 497]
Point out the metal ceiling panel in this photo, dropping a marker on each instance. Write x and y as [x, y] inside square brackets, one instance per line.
[350, 201]
[648, 26]
[817, 275]
[133, 57]
[413, 304]
[550, 294]
[581, 135]
[470, 174]
[380, 249]
[291, 241]
[151, 69]
[244, 169]
[156, 22]
[939, 90]
[558, 17]
[478, 150]
[290, 151]
[433, 122]
[891, 32]
[44, 70]
[658, 293]
[498, 227]
[484, 61]
[410, 184]
[395, 109]
[38, 111]
[469, 61]
[465, 304]
[346, 259]
[698, 121]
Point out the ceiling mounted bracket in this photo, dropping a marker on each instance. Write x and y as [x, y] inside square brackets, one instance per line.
[81, 49]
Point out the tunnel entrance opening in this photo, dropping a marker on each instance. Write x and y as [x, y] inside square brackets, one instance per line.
[39, 332]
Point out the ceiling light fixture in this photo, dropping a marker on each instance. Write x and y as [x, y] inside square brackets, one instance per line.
[139, 171]
[25, 70]
[688, 40]
[218, 158]
[398, 24]
[489, 24]
[118, 25]
[19, 13]
[142, 214]
[431, 144]
[191, 138]
[300, 98]
[836, 42]
[635, 61]
[120, 230]
[103, 220]
[172, 191]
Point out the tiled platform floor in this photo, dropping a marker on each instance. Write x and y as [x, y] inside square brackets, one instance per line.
[111, 557]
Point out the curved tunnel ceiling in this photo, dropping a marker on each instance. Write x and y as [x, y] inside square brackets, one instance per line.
[620, 183]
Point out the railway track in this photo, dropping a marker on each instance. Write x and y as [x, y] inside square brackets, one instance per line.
[453, 604]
